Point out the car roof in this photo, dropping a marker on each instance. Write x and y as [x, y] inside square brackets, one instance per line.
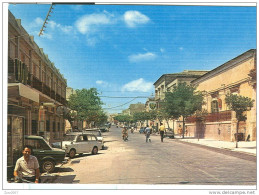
[33, 137]
[79, 133]
[94, 129]
[89, 130]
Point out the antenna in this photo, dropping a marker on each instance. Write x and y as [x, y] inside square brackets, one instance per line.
[47, 18]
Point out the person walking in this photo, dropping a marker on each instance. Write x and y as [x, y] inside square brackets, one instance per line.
[27, 167]
[148, 132]
[124, 133]
[162, 131]
[180, 130]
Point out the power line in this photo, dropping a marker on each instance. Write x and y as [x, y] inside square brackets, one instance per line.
[120, 105]
[125, 97]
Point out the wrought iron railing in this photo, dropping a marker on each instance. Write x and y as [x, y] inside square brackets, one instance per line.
[211, 117]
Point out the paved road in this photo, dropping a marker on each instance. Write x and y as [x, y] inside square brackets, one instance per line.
[170, 162]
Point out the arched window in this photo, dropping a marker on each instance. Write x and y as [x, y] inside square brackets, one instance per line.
[214, 106]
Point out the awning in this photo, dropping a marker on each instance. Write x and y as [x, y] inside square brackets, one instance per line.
[19, 89]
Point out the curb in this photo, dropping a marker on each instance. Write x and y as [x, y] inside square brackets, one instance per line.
[226, 151]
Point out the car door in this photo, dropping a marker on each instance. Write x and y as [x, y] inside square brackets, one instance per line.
[79, 144]
[83, 144]
[91, 142]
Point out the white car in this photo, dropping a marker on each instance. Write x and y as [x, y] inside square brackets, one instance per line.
[97, 133]
[79, 143]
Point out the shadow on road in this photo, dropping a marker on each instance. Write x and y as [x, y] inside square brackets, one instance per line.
[63, 169]
[105, 148]
[57, 179]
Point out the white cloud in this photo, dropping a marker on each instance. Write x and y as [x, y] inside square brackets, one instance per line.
[36, 23]
[139, 85]
[162, 50]
[142, 57]
[181, 48]
[46, 35]
[103, 83]
[52, 24]
[88, 23]
[65, 29]
[133, 18]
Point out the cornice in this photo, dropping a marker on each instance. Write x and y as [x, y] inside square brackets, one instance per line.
[226, 66]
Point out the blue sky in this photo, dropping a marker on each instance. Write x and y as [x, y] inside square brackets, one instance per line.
[123, 49]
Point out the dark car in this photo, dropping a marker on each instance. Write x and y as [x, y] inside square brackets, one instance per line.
[47, 156]
[142, 130]
[103, 129]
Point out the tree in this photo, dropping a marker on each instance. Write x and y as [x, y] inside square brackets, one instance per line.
[124, 118]
[239, 104]
[183, 101]
[87, 105]
[162, 114]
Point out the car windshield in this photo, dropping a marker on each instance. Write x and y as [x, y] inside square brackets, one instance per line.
[69, 137]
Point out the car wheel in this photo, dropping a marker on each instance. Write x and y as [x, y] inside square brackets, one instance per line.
[95, 150]
[48, 166]
[72, 153]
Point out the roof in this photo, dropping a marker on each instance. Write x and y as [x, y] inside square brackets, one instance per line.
[185, 73]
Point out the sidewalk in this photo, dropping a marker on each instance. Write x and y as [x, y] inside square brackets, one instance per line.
[248, 147]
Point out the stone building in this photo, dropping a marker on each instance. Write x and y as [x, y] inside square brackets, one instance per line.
[36, 91]
[167, 82]
[237, 76]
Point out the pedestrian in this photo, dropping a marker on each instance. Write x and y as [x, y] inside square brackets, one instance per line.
[162, 131]
[27, 167]
[124, 133]
[180, 130]
[186, 131]
[148, 132]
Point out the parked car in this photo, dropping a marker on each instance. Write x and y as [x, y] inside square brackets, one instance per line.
[142, 130]
[97, 133]
[169, 133]
[47, 156]
[104, 129]
[79, 143]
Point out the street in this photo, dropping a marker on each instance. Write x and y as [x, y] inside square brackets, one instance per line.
[170, 162]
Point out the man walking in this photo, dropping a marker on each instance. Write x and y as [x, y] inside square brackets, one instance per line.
[148, 132]
[162, 131]
[27, 167]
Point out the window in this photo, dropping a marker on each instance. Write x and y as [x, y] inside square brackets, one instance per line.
[91, 138]
[37, 144]
[214, 106]
[82, 138]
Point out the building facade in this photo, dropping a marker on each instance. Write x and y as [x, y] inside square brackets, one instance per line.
[36, 91]
[237, 76]
[166, 83]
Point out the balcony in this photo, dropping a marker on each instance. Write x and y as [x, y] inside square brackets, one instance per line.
[36, 83]
[18, 73]
[211, 117]
[46, 90]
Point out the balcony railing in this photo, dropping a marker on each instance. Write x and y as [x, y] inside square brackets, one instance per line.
[18, 72]
[211, 117]
[36, 83]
